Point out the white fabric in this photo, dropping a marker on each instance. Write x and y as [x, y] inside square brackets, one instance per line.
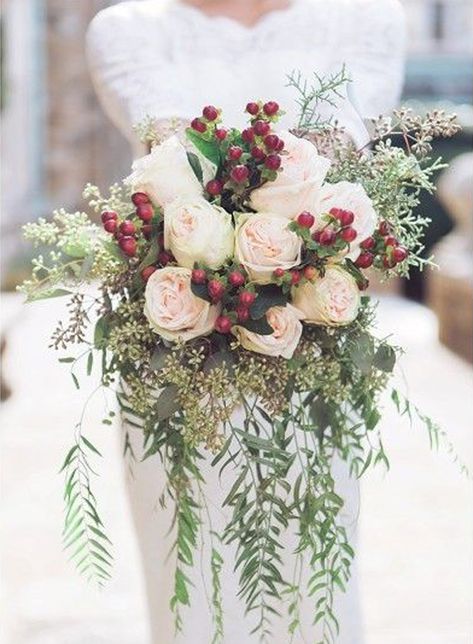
[167, 61]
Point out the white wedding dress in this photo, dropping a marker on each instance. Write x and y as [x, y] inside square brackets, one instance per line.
[167, 60]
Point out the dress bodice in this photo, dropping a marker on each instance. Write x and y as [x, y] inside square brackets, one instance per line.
[166, 59]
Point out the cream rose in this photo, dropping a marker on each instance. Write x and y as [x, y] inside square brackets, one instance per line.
[197, 231]
[297, 185]
[173, 311]
[333, 299]
[286, 322]
[165, 174]
[264, 242]
[349, 196]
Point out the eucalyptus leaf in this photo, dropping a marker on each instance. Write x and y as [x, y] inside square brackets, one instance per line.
[159, 357]
[218, 360]
[385, 358]
[49, 294]
[267, 296]
[200, 290]
[167, 403]
[261, 326]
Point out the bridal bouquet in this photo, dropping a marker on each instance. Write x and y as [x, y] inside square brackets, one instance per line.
[232, 322]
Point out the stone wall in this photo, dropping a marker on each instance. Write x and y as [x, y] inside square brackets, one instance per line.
[81, 144]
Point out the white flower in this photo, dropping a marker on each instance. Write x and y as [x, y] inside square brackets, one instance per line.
[197, 231]
[264, 242]
[173, 311]
[332, 300]
[297, 185]
[349, 196]
[165, 174]
[286, 322]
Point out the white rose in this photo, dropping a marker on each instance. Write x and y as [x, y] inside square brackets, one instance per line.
[286, 322]
[197, 231]
[173, 311]
[264, 242]
[349, 196]
[165, 174]
[297, 185]
[332, 300]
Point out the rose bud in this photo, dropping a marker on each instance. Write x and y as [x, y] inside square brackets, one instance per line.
[216, 290]
[210, 113]
[234, 152]
[365, 260]
[221, 133]
[271, 108]
[110, 225]
[240, 173]
[246, 298]
[214, 187]
[253, 108]
[199, 276]
[261, 128]
[236, 279]
[147, 272]
[108, 215]
[198, 126]
[127, 228]
[128, 245]
[348, 234]
[223, 324]
[306, 219]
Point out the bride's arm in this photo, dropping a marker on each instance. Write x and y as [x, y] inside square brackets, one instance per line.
[373, 43]
[132, 76]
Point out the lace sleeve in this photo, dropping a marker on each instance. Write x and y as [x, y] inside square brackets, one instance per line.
[130, 69]
[375, 54]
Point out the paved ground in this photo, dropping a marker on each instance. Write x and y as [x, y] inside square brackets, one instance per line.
[416, 523]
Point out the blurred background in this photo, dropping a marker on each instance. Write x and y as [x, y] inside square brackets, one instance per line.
[416, 525]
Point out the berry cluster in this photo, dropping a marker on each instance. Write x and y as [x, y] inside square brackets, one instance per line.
[248, 158]
[381, 250]
[231, 289]
[138, 228]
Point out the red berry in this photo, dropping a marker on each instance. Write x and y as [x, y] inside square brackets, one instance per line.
[128, 245]
[147, 231]
[234, 152]
[240, 173]
[147, 272]
[345, 217]
[306, 219]
[236, 279]
[316, 236]
[391, 241]
[139, 198]
[246, 298]
[279, 272]
[271, 108]
[348, 234]
[261, 128]
[399, 254]
[327, 237]
[365, 260]
[210, 113]
[127, 228]
[281, 145]
[248, 135]
[310, 272]
[145, 212]
[258, 154]
[109, 215]
[164, 258]
[110, 225]
[214, 187]
[216, 290]
[199, 276]
[253, 108]
[242, 313]
[296, 277]
[221, 133]
[368, 243]
[272, 141]
[273, 162]
[384, 228]
[223, 324]
[198, 126]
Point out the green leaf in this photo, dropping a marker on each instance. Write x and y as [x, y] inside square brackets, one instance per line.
[320, 413]
[167, 403]
[209, 149]
[196, 166]
[385, 358]
[200, 290]
[268, 296]
[219, 359]
[159, 357]
[102, 331]
[261, 326]
[90, 363]
[180, 588]
[362, 352]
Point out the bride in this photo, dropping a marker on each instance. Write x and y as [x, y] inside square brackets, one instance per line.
[166, 59]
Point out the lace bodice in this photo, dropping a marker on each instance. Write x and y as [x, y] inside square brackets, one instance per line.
[168, 59]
